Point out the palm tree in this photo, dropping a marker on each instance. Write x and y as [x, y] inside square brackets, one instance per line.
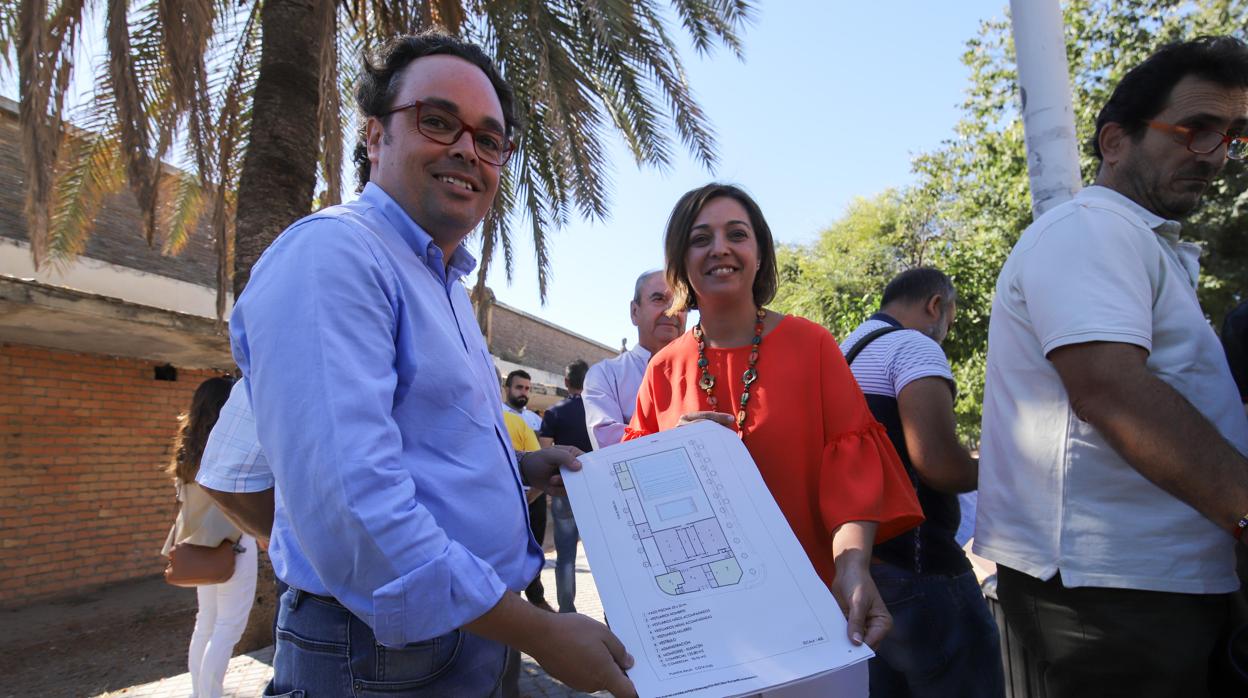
[241, 90]
[252, 100]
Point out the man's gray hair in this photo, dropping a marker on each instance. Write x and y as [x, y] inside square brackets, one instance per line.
[641, 281]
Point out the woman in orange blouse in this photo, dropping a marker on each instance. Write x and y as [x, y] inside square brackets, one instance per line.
[779, 381]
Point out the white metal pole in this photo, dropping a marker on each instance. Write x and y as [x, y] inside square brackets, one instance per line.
[1044, 96]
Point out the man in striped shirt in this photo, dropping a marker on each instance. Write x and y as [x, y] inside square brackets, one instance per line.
[944, 641]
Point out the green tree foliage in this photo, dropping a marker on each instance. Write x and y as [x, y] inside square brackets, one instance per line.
[971, 200]
[837, 280]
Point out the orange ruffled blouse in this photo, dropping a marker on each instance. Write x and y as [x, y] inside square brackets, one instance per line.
[822, 454]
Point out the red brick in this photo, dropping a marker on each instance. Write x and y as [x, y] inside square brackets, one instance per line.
[83, 434]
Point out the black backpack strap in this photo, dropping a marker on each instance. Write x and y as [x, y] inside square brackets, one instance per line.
[870, 337]
[852, 354]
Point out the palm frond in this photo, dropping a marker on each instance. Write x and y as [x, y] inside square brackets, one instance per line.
[9, 11]
[88, 169]
[534, 189]
[63, 31]
[708, 22]
[387, 18]
[494, 228]
[659, 54]
[574, 118]
[186, 206]
[540, 231]
[180, 76]
[92, 171]
[133, 126]
[448, 14]
[234, 120]
[559, 128]
[186, 28]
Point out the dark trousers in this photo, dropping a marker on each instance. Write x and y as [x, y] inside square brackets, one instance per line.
[1104, 643]
[1229, 669]
[537, 522]
[944, 641]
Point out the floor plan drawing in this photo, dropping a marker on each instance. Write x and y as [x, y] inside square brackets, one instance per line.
[701, 575]
[688, 534]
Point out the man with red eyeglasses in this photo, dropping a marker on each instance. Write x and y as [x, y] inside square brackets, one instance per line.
[400, 523]
[1113, 480]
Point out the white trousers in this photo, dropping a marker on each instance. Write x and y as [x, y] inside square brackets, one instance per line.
[222, 617]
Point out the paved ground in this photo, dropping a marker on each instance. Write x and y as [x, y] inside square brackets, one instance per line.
[95, 642]
[249, 673]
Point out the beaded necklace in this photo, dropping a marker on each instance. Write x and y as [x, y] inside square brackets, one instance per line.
[707, 383]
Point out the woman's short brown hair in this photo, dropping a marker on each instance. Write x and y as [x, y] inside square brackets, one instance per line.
[676, 243]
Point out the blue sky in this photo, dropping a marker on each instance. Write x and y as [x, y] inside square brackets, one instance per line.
[831, 103]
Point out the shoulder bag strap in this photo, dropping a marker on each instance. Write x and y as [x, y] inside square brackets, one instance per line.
[871, 336]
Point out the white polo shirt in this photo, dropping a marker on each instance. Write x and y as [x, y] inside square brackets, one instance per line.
[1053, 495]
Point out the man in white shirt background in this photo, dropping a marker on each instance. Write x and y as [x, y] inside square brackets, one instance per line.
[611, 385]
[1113, 482]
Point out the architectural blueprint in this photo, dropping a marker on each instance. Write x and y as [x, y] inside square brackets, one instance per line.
[682, 519]
[701, 576]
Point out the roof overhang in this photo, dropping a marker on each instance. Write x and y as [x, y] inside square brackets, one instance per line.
[60, 318]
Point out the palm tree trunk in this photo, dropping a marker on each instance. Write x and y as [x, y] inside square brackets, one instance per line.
[279, 174]
[279, 170]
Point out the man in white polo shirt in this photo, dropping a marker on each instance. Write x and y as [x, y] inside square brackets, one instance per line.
[1113, 482]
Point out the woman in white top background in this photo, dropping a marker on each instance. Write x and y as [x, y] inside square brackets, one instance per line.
[224, 607]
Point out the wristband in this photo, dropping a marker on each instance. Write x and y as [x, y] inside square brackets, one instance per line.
[1241, 526]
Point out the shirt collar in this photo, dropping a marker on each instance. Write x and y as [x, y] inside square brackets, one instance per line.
[1164, 227]
[641, 353]
[462, 261]
[885, 317]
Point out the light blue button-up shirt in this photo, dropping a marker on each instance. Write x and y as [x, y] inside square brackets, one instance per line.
[377, 403]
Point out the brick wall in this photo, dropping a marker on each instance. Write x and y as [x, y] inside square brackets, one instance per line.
[83, 440]
[521, 339]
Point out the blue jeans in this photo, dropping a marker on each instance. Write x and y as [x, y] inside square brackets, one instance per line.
[944, 641]
[277, 607]
[324, 650]
[566, 537]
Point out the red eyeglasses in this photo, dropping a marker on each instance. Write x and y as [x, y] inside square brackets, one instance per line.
[1203, 141]
[443, 127]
